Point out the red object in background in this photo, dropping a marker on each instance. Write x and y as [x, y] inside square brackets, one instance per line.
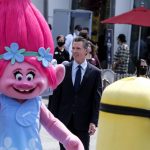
[139, 16]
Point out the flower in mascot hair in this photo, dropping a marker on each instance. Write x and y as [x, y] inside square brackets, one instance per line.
[27, 69]
[45, 57]
[13, 53]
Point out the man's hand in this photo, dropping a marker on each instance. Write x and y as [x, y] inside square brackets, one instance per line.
[92, 128]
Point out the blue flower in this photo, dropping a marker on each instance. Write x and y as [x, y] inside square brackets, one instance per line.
[13, 53]
[17, 55]
[44, 56]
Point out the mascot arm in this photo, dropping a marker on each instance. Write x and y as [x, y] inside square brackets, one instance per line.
[58, 130]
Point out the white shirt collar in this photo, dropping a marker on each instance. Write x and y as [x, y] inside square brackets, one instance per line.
[83, 65]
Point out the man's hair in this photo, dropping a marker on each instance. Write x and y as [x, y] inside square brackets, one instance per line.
[59, 36]
[78, 27]
[83, 40]
[122, 38]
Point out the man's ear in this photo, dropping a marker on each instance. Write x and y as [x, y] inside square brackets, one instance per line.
[60, 73]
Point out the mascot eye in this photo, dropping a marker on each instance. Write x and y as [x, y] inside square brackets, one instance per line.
[30, 76]
[18, 76]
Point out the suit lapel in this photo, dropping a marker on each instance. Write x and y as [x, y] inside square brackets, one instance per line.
[69, 74]
[85, 77]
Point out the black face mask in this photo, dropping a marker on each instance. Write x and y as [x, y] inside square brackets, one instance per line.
[143, 71]
[60, 43]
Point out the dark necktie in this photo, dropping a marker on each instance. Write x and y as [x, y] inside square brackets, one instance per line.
[77, 79]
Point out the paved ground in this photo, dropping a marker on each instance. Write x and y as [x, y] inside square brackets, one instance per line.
[49, 143]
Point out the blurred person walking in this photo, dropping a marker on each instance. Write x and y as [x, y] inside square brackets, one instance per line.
[121, 57]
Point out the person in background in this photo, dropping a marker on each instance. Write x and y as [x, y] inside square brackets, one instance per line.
[121, 57]
[76, 101]
[61, 54]
[142, 68]
[85, 33]
[70, 37]
[137, 54]
[92, 47]
[91, 55]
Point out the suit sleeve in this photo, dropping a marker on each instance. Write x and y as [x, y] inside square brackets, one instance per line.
[96, 98]
[54, 100]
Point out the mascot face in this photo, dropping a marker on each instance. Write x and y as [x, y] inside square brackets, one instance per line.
[22, 81]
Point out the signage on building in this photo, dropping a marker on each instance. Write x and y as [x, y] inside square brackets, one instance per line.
[109, 43]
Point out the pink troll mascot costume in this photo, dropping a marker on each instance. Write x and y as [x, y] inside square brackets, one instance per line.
[26, 71]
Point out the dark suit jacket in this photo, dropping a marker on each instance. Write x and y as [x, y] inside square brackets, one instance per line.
[83, 105]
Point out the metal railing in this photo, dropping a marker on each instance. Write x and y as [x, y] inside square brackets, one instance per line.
[108, 77]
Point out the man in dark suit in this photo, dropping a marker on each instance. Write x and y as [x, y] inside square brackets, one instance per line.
[77, 104]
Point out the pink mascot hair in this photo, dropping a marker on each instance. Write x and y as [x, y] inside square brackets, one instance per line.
[22, 23]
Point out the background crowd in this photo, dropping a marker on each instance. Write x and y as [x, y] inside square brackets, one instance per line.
[64, 46]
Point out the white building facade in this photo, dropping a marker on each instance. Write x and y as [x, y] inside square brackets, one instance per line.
[121, 6]
[116, 7]
[46, 7]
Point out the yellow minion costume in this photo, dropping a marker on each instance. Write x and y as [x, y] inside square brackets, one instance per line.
[124, 122]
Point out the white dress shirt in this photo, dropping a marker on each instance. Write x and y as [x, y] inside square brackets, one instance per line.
[75, 67]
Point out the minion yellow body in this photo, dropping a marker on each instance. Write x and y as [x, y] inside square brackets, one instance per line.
[124, 122]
